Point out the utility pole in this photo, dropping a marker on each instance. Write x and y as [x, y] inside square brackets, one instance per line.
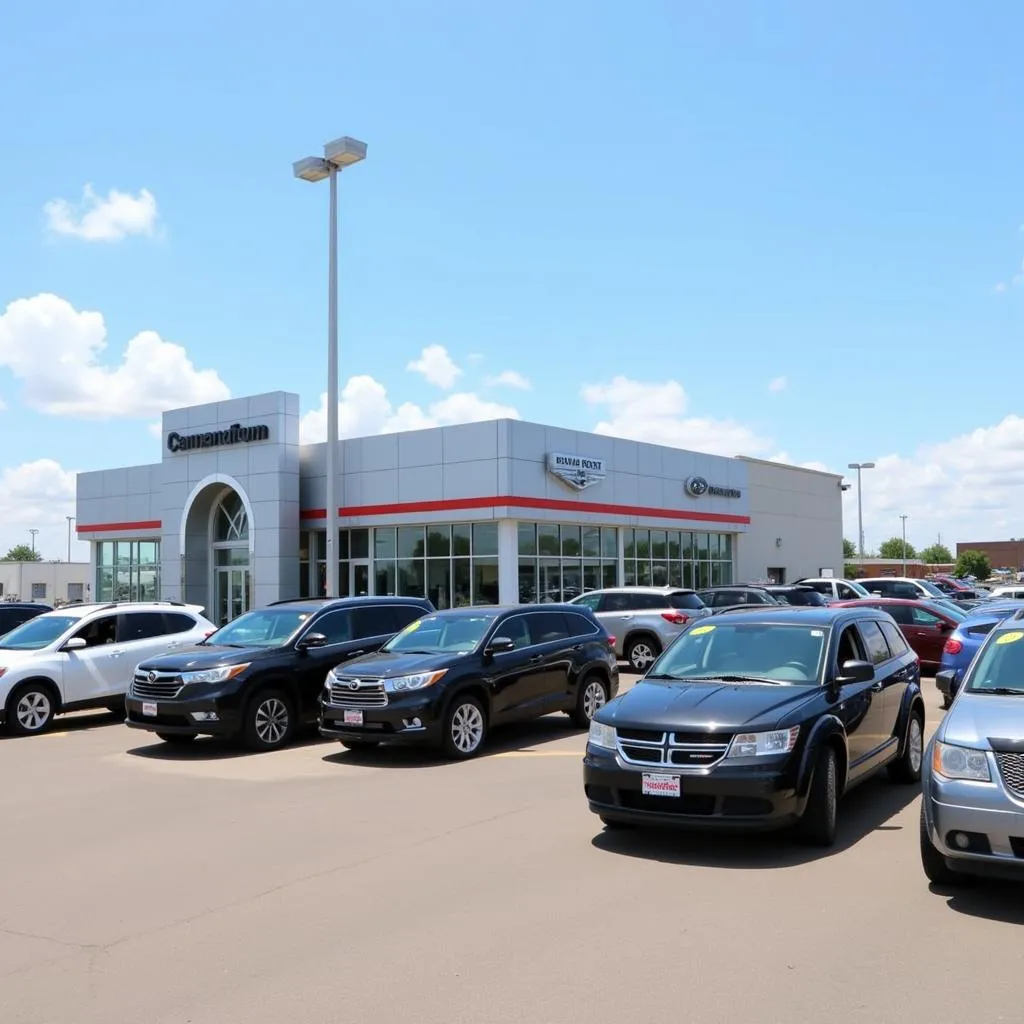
[904, 519]
[33, 532]
[860, 504]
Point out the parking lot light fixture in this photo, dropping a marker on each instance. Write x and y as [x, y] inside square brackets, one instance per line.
[860, 504]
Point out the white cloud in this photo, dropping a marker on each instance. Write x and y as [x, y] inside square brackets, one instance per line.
[436, 366]
[55, 350]
[777, 384]
[365, 409]
[38, 496]
[999, 288]
[103, 219]
[509, 379]
[655, 412]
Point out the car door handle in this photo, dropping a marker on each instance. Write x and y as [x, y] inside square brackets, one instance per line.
[877, 687]
[116, 654]
[577, 647]
[353, 654]
[536, 659]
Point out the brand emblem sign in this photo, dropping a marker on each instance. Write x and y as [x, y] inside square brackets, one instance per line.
[697, 487]
[354, 684]
[151, 677]
[577, 471]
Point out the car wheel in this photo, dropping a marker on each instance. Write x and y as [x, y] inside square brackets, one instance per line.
[641, 652]
[360, 744]
[175, 739]
[907, 768]
[592, 697]
[935, 868]
[465, 728]
[269, 721]
[31, 709]
[818, 824]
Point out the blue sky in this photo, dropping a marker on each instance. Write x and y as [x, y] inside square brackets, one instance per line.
[718, 195]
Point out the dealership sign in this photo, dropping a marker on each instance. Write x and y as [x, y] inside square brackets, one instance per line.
[697, 487]
[576, 470]
[235, 434]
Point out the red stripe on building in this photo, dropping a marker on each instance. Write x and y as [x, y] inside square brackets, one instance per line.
[550, 504]
[150, 524]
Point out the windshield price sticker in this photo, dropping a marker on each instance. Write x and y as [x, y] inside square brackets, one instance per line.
[701, 630]
[1010, 638]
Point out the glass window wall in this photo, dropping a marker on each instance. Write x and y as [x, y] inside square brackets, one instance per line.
[677, 558]
[128, 570]
[560, 561]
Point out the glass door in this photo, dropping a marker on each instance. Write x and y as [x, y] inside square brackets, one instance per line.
[233, 593]
[359, 578]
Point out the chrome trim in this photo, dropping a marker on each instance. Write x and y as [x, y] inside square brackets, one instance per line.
[156, 685]
[353, 692]
[663, 750]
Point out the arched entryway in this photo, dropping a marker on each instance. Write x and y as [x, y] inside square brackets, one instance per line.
[217, 549]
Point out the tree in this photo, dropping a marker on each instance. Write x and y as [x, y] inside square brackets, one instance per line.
[22, 553]
[893, 548]
[849, 549]
[937, 554]
[973, 563]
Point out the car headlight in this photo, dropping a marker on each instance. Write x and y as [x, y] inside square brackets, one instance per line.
[758, 744]
[602, 735]
[214, 675]
[960, 762]
[419, 681]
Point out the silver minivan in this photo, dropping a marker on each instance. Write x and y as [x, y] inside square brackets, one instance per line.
[643, 620]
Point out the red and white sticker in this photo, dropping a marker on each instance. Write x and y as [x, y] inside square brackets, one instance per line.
[661, 785]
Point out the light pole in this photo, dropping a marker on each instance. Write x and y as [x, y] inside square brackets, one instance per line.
[338, 155]
[33, 532]
[860, 504]
[70, 520]
[904, 519]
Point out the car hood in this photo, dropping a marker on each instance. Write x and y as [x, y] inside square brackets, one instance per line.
[977, 718]
[665, 704]
[199, 657]
[9, 657]
[386, 665]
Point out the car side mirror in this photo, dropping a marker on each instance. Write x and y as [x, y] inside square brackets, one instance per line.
[311, 640]
[499, 645]
[76, 643]
[947, 682]
[856, 671]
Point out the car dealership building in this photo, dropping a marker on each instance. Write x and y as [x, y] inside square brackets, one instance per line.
[232, 516]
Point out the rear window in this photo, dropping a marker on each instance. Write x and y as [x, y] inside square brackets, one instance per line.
[686, 600]
[982, 629]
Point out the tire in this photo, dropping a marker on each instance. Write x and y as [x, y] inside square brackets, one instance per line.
[935, 868]
[818, 824]
[269, 721]
[593, 695]
[30, 709]
[359, 744]
[641, 653]
[175, 739]
[465, 728]
[907, 767]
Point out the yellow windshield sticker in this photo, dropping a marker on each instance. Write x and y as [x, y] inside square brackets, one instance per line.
[414, 625]
[1010, 638]
[701, 630]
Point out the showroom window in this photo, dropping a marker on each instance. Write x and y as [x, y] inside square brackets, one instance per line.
[560, 561]
[128, 570]
[661, 558]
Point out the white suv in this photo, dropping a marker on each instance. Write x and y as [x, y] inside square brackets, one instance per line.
[83, 656]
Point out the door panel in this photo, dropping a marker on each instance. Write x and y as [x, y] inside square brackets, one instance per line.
[94, 672]
[878, 725]
[511, 672]
[551, 652]
[860, 705]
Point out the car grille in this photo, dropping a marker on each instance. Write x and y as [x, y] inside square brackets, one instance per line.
[158, 685]
[642, 747]
[358, 693]
[1011, 767]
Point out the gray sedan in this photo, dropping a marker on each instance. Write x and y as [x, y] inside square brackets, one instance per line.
[972, 811]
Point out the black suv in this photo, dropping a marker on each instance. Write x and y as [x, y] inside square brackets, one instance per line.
[798, 594]
[758, 720]
[730, 596]
[447, 678]
[14, 613]
[260, 676]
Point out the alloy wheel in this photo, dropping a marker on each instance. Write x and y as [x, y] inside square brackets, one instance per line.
[33, 710]
[915, 742]
[272, 721]
[467, 728]
[594, 698]
[641, 656]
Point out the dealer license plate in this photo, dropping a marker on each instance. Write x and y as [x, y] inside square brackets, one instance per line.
[661, 785]
[353, 718]
[149, 708]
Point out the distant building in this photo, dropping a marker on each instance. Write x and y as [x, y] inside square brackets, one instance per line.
[46, 582]
[870, 568]
[1008, 554]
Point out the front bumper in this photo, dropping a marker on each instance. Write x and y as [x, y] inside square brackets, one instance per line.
[730, 797]
[408, 718]
[987, 815]
[175, 717]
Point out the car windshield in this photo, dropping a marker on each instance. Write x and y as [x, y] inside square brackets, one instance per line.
[268, 627]
[931, 588]
[685, 599]
[779, 652]
[951, 611]
[37, 633]
[441, 634]
[857, 588]
[1000, 666]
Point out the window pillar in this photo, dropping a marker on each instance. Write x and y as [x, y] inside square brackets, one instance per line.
[508, 561]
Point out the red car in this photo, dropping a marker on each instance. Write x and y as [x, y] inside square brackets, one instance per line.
[924, 625]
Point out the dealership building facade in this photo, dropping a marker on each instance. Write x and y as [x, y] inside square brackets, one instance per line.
[233, 516]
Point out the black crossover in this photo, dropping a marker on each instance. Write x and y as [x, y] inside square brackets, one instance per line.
[758, 720]
[259, 677]
[447, 678]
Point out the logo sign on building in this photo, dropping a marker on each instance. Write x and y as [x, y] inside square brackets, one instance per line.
[235, 434]
[697, 487]
[577, 471]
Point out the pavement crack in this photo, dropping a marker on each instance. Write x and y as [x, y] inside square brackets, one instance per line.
[83, 947]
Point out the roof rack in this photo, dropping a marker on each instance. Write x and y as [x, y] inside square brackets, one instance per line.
[296, 600]
[117, 604]
[1019, 614]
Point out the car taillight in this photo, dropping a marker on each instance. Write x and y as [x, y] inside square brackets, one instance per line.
[952, 646]
[611, 642]
[676, 618]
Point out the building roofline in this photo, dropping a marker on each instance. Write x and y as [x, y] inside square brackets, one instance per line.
[789, 465]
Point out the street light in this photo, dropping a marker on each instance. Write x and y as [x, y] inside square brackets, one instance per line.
[341, 153]
[70, 520]
[860, 504]
[33, 532]
[904, 518]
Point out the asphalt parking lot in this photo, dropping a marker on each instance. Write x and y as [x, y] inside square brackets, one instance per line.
[311, 885]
